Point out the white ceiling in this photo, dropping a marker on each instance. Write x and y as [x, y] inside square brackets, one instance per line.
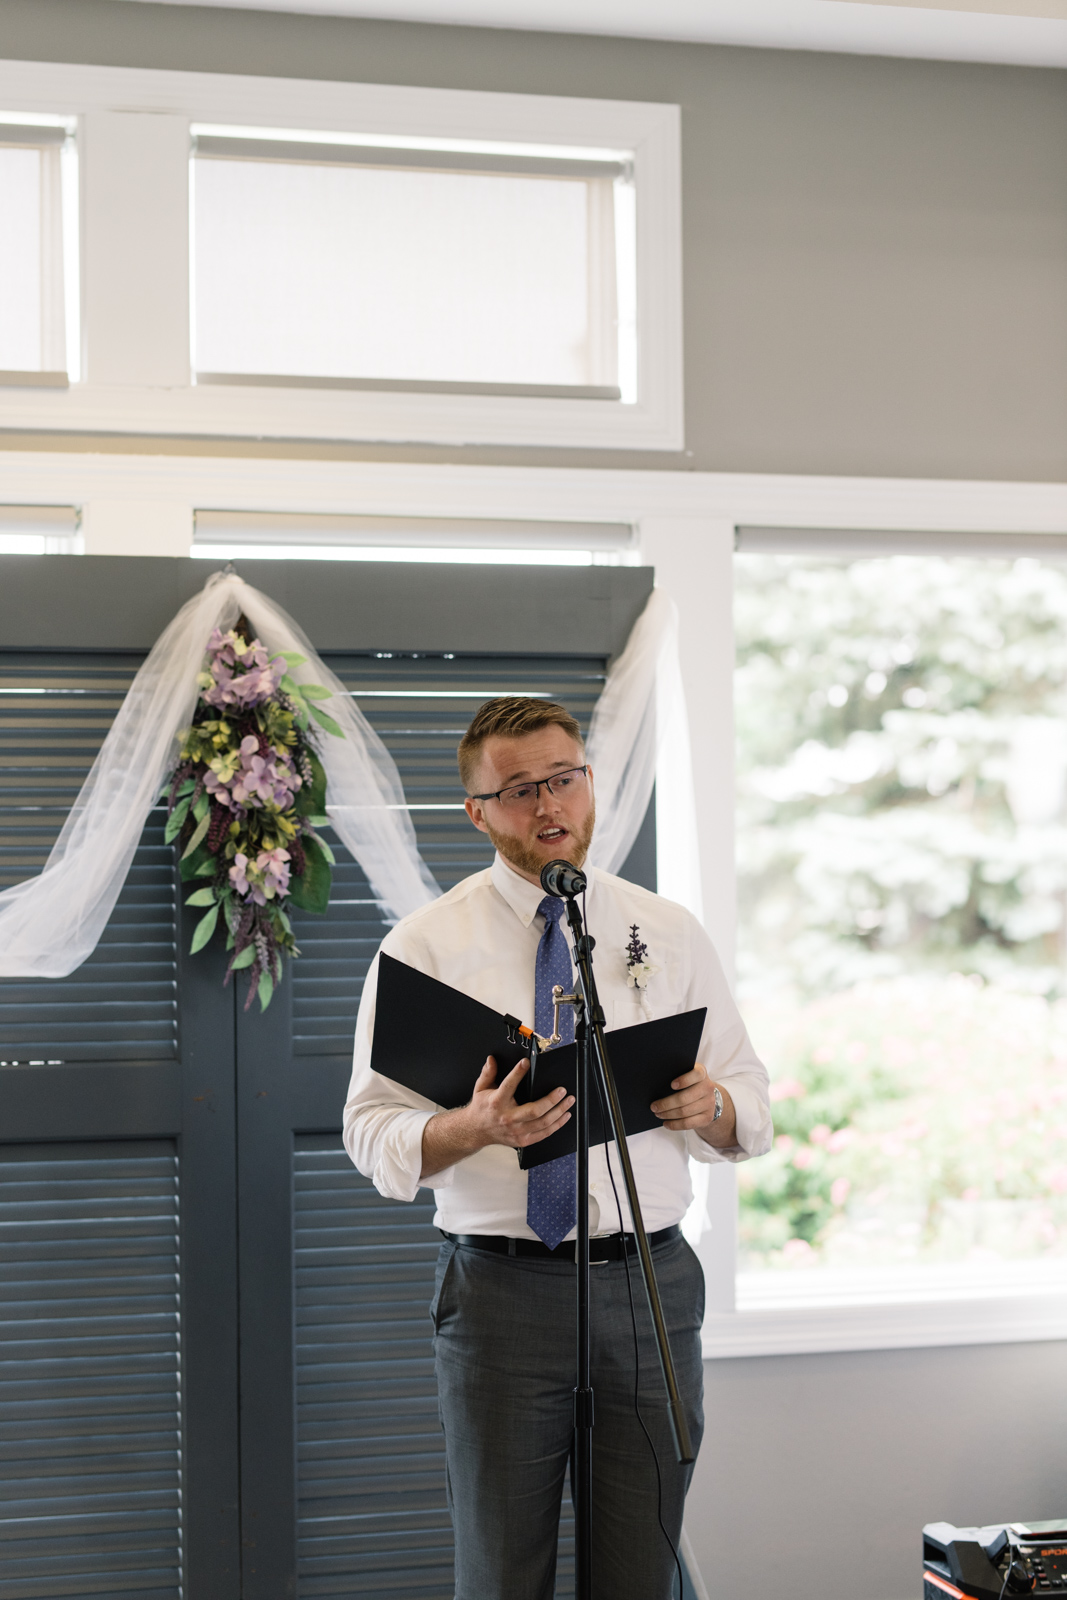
[1026, 32]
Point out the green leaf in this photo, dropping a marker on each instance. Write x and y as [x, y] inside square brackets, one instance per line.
[327, 852]
[266, 989]
[201, 831]
[319, 822]
[245, 959]
[197, 865]
[327, 722]
[202, 897]
[202, 807]
[204, 929]
[311, 891]
[175, 820]
[291, 687]
[292, 658]
[315, 691]
[317, 794]
[186, 787]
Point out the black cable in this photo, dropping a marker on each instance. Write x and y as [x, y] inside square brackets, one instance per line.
[1008, 1570]
[633, 1324]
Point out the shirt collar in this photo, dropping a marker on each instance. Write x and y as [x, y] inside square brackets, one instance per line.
[522, 896]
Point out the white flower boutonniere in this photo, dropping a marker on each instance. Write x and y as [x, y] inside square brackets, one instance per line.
[638, 967]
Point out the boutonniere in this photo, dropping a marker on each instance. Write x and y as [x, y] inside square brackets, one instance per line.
[638, 967]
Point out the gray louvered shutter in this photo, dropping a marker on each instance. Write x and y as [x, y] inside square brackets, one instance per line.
[90, 1402]
[90, 1375]
[121, 1004]
[371, 1512]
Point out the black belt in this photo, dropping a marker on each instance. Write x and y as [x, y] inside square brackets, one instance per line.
[610, 1247]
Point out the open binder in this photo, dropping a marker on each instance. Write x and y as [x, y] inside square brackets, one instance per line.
[434, 1040]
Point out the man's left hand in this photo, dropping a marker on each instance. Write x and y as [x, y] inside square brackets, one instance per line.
[693, 1107]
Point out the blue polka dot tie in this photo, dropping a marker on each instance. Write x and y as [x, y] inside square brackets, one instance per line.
[550, 1201]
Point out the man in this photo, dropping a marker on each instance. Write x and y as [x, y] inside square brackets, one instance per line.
[503, 1311]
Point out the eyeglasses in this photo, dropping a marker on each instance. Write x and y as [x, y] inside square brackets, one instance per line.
[520, 795]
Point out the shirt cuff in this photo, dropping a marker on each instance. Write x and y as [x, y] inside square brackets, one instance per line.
[397, 1172]
[753, 1133]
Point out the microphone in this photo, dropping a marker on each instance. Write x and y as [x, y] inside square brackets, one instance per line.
[559, 878]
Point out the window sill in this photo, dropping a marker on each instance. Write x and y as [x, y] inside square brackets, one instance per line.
[366, 415]
[1011, 1317]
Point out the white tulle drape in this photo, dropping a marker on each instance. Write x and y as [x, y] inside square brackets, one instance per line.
[640, 732]
[51, 923]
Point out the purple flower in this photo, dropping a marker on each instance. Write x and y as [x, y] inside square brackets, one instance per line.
[218, 790]
[274, 866]
[262, 879]
[255, 679]
[220, 645]
[239, 879]
[265, 780]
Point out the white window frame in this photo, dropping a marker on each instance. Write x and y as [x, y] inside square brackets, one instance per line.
[134, 129]
[686, 527]
[53, 136]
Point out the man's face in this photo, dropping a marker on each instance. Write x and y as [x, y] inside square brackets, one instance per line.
[558, 827]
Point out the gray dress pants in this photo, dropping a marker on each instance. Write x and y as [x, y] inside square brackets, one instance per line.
[505, 1355]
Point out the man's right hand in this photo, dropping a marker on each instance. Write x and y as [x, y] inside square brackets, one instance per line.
[492, 1117]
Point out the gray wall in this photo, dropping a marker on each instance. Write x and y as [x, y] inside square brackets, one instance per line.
[818, 1472]
[875, 249]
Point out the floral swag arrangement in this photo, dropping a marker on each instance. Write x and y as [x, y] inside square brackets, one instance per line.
[245, 801]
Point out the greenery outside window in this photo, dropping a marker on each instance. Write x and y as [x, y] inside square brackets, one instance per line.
[902, 771]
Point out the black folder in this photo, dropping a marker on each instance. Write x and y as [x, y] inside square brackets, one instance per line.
[434, 1040]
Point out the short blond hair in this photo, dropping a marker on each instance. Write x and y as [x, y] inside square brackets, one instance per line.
[510, 717]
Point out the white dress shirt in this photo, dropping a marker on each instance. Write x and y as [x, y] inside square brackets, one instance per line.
[482, 938]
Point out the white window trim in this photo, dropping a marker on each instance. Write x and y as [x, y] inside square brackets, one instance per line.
[143, 505]
[160, 398]
[805, 1330]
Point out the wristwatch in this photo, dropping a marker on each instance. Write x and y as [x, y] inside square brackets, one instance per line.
[718, 1103]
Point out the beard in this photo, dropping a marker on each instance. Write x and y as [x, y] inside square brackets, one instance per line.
[528, 860]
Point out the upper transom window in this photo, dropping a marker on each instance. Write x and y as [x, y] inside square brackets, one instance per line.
[463, 265]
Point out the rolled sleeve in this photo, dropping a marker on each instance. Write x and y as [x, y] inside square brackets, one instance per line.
[396, 1172]
[383, 1120]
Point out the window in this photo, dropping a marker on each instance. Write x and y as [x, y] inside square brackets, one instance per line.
[38, 251]
[341, 261]
[371, 264]
[902, 765]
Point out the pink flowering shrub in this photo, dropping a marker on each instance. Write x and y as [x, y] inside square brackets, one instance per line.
[916, 1120]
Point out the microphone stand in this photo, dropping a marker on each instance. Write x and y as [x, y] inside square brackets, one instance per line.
[593, 1054]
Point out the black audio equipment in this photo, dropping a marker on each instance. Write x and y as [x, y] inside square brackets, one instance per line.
[993, 1563]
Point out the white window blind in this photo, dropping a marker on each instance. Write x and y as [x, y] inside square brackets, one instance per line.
[37, 295]
[285, 535]
[40, 531]
[343, 264]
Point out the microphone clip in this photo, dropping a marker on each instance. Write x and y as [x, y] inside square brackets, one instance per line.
[520, 1034]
